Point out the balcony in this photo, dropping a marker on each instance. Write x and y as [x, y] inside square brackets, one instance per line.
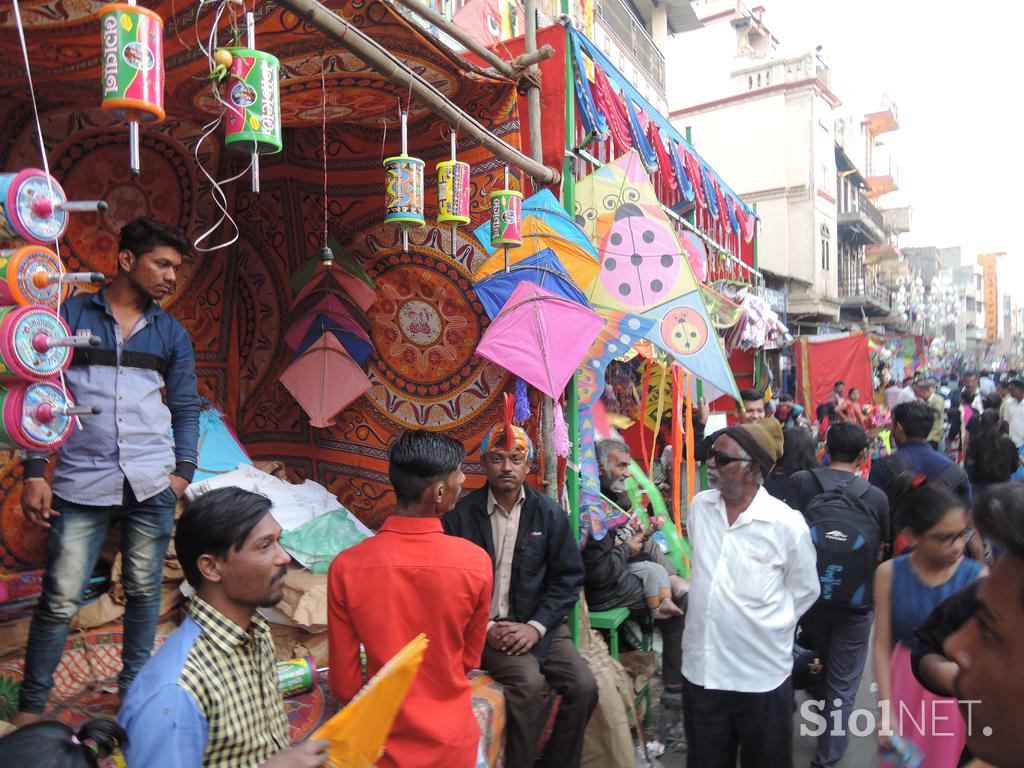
[861, 290]
[632, 37]
[864, 224]
[879, 253]
[882, 184]
[883, 121]
[897, 219]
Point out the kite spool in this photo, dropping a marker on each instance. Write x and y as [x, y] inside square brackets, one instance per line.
[506, 218]
[35, 208]
[453, 193]
[132, 73]
[37, 416]
[296, 676]
[35, 343]
[253, 119]
[403, 189]
[32, 276]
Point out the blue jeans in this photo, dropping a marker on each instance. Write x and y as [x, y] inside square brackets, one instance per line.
[73, 547]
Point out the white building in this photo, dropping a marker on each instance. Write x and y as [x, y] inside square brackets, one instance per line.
[767, 124]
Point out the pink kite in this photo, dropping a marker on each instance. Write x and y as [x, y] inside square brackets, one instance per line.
[324, 380]
[540, 337]
[332, 308]
[332, 279]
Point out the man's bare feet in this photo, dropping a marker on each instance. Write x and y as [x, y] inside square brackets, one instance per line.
[680, 586]
[666, 610]
[26, 718]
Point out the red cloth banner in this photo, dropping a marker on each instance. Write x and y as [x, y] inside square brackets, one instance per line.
[823, 360]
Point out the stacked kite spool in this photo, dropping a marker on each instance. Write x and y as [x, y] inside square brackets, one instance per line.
[36, 412]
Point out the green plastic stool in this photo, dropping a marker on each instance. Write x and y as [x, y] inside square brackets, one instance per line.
[610, 620]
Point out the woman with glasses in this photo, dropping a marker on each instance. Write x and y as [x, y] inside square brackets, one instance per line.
[907, 588]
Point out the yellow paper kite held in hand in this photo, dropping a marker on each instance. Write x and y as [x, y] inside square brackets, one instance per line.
[358, 732]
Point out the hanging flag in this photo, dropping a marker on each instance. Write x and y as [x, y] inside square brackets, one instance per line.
[685, 186]
[709, 192]
[692, 165]
[640, 143]
[614, 110]
[594, 122]
[665, 164]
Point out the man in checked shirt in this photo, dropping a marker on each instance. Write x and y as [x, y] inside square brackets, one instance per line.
[209, 696]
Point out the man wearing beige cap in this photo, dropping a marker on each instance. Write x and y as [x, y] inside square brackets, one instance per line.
[753, 577]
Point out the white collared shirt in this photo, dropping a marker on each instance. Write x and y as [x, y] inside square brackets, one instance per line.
[1015, 420]
[505, 533]
[750, 584]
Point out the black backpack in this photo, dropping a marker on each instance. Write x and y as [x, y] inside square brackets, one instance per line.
[952, 477]
[846, 534]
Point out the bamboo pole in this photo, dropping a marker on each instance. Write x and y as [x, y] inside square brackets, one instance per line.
[547, 406]
[464, 39]
[381, 60]
[527, 59]
[573, 420]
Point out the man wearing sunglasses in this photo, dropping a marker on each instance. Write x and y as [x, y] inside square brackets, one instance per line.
[753, 576]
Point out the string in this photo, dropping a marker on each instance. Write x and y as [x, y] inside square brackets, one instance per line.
[323, 104]
[220, 199]
[46, 171]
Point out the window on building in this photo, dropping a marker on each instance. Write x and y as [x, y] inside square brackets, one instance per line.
[750, 82]
[826, 258]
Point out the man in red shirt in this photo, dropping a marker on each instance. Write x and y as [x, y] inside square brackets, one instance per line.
[412, 578]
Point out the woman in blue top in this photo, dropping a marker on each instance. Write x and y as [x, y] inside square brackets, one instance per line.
[906, 590]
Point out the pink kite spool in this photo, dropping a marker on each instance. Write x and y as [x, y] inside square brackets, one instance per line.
[26, 334]
[34, 416]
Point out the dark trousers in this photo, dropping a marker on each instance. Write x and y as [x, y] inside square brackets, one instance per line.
[524, 681]
[840, 639]
[759, 726]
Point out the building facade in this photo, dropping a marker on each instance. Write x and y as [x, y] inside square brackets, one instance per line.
[772, 124]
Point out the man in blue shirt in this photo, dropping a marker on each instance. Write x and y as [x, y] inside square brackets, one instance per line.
[911, 423]
[209, 697]
[124, 465]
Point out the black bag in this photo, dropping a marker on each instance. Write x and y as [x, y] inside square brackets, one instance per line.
[846, 534]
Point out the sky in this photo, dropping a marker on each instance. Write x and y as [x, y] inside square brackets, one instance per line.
[956, 73]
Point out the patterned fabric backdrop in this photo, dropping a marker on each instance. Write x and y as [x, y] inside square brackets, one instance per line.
[426, 322]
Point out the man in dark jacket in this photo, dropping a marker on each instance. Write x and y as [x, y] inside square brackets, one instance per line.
[610, 585]
[537, 575]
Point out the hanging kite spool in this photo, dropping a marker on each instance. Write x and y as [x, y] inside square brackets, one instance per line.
[35, 343]
[35, 208]
[403, 188]
[506, 218]
[132, 69]
[37, 416]
[253, 119]
[453, 193]
[32, 276]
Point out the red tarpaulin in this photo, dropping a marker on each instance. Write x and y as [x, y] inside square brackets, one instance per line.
[552, 91]
[823, 360]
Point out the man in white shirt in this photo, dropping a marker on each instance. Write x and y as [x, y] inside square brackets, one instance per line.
[907, 394]
[1015, 412]
[753, 577]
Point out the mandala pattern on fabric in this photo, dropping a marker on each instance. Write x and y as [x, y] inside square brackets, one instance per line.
[427, 323]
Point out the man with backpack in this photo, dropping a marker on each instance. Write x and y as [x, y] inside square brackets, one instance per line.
[847, 517]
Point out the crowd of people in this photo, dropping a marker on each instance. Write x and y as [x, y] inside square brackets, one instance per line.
[816, 529]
